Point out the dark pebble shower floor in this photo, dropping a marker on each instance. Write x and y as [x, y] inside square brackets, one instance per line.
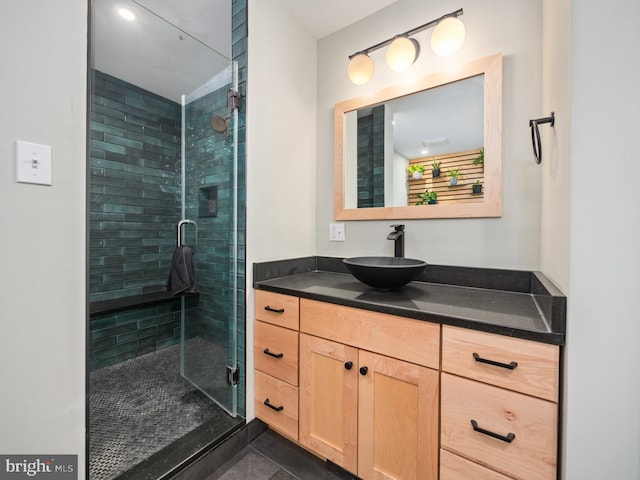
[140, 407]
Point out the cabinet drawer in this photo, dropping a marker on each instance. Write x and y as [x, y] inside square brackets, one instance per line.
[283, 398]
[531, 455]
[275, 352]
[453, 467]
[403, 338]
[278, 309]
[465, 352]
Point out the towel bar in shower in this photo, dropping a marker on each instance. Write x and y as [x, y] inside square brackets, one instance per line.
[180, 224]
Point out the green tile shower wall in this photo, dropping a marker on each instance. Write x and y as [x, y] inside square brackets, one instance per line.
[134, 188]
[135, 180]
[371, 158]
[119, 336]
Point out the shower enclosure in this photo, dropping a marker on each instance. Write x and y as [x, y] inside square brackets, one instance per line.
[164, 369]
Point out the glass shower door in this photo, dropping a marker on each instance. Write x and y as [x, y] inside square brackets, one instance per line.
[209, 206]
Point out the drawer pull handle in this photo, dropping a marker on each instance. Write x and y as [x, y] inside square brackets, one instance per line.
[277, 409]
[274, 310]
[271, 354]
[509, 438]
[510, 366]
[364, 370]
[348, 365]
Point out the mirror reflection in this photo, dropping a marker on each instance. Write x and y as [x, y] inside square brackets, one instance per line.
[429, 150]
[390, 146]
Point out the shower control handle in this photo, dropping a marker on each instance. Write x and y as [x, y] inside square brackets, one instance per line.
[277, 409]
[271, 354]
[274, 310]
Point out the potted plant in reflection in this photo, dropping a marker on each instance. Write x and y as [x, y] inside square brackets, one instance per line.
[435, 166]
[428, 197]
[416, 171]
[480, 159]
[477, 187]
[453, 174]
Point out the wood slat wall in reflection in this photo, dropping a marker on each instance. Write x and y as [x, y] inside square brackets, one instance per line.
[460, 193]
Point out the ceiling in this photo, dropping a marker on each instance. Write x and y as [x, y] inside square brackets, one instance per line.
[172, 48]
[321, 18]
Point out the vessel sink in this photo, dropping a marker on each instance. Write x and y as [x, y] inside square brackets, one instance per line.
[384, 272]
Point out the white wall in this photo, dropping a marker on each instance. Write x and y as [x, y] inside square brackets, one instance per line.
[281, 105]
[602, 383]
[556, 141]
[42, 284]
[492, 26]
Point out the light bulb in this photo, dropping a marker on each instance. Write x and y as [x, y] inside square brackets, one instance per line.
[360, 69]
[448, 36]
[401, 54]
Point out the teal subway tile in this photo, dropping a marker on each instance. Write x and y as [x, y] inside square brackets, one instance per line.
[124, 348]
[167, 343]
[98, 364]
[102, 322]
[125, 142]
[103, 344]
[112, 331]
[104, 145]
[105, 128]
[126, 109]
[122, 209]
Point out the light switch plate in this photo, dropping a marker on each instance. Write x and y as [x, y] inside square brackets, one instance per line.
[33, 163]
[336, 232]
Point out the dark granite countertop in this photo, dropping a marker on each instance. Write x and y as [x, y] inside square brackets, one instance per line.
[506, 302]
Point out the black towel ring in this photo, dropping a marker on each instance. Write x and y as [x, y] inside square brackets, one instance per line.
[535, 134]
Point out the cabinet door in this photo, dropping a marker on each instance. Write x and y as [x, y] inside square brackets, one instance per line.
[398, 419]
[329, 400]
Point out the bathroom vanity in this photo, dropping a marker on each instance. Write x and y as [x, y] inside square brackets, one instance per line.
[443, 378]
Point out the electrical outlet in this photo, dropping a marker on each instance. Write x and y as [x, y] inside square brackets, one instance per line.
[336, 232]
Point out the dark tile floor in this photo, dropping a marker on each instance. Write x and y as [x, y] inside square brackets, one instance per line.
[272, 457]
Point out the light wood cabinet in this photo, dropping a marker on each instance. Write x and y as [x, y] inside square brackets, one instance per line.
[275, 352]
[278, 309]
[454, 467]
[511, 363]
[499, 404]
[276, 362]
[370, 413]
[388, 397]
[397, 419]
[329, 400]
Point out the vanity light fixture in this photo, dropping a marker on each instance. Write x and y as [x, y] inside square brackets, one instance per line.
[403, 50]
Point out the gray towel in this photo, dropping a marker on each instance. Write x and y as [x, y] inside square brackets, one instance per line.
[182, 275]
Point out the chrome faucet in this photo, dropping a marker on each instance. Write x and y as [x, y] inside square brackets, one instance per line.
[398, 237]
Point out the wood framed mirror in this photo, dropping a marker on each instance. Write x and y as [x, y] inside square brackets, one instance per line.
[452, 117]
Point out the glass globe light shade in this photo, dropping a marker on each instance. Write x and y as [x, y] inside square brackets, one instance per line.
[360, 69]
[401, 54]
[447, 37]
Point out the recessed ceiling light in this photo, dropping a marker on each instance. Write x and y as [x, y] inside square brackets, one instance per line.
[435, 141]
[127, 14]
